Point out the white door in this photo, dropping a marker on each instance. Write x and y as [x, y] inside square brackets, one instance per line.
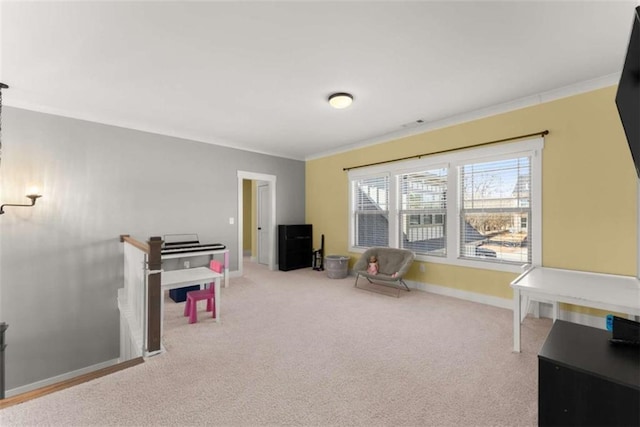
[263, 224]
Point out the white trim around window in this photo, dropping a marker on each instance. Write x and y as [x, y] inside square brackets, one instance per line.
[452, 162]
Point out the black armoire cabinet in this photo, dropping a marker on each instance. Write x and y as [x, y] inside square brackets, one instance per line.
[295, 246]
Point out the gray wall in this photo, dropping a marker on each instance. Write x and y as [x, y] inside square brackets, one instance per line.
[61, 262]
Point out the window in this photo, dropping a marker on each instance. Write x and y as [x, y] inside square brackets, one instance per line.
[371, 211]
[423, 198]
[495, 203]
[477, 207]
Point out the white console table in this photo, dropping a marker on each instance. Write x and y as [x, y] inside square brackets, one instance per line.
[189, 277]
[212, 253]
[620, 294]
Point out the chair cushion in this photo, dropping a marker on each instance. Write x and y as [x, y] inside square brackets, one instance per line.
[390, 261]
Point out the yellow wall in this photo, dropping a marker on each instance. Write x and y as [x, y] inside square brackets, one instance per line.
[588, 179]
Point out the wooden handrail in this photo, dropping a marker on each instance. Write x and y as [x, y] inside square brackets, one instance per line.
[144, 247]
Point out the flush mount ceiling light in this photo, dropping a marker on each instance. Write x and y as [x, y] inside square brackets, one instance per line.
[340, 100]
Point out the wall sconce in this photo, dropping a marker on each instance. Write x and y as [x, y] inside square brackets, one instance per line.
[34, 196]
[33, 191]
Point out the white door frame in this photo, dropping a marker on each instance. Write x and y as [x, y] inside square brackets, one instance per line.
[271, 228]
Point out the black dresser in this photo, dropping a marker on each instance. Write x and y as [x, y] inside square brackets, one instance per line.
[295, 246]
[584, 380]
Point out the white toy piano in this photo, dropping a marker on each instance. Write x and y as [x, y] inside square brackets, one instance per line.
[188, 245]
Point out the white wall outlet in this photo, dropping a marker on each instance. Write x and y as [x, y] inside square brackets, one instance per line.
[187, 264]
[232, 220]
[422, 268]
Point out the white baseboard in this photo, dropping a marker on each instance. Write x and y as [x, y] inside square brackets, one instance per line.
[546, 310]
[59, 378]
[465, 295]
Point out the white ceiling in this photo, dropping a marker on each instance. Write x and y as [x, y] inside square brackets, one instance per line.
[256, 75]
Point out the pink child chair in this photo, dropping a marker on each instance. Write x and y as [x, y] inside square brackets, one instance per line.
[191, 307]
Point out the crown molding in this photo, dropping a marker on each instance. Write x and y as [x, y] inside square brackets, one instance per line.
[517, 104]
[188, 136]
[541, 98]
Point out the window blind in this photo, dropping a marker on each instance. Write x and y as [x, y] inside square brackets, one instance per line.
[495, 214]
[422, 212]
[371, 211]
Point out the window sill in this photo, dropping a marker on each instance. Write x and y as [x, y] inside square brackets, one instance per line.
[482, 265]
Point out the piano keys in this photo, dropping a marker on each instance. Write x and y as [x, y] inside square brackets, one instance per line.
[188, 245]
[189, 248]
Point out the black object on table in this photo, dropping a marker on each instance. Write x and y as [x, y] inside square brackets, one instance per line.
[585, 380]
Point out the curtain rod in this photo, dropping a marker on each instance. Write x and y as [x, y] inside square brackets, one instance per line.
[418, 156]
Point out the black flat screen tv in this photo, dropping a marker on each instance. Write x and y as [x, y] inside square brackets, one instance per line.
[628, 95]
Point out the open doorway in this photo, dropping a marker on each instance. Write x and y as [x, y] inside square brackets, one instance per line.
[262, 229]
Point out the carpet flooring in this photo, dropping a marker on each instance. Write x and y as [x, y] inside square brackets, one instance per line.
[298, 348]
